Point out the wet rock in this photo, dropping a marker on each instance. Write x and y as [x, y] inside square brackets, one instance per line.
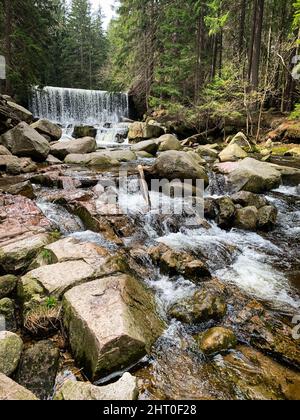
[23, 188]
[179, 263]
[11, 347]
[267, 217]
[15, 166]
[226, 212]
[232, 153]
[148, 146]
[7, 285]
[178, 165]
[251, 175]
[168, 142]
[78, 146]
[11, 391]
[111, 322]
[4, 151]
[241, 140]
[24, 141]
[144, 155]
[47, 128]
[216, 340]
[258, 377]
[248, 199]
[125, 389]
[143, 131]
[81, 131]
[18, 255]
[38, 368]
[246, 218]
[208, 151]
[210, 208]
[7, 312]
[203, 306]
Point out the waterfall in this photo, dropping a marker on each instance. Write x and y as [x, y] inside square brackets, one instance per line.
[70, 107]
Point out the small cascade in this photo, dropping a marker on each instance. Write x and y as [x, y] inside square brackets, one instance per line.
[70, 107]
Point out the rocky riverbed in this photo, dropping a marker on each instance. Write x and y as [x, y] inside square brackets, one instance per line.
[104, 297]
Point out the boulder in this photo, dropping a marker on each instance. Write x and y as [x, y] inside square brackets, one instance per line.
[125, 389]
[81, 131]
[226, 212]
[246, 218]
[52, 160]
[179, 263]
[240, 139]
[178, 165]
[196, 157]
[112, 323]
[202, 306]
[4, 151]
[11, 347]
[91, 159]
[16, 166]
[22, 188]
[8, 314]
[232, 153]
[143, 131]
[216, 340]
[78, 146]
[47, 128]
[22, 113]
[144, 155]
[267, 217]
[120, 155]
[251, 175]
[208, 151]
[24, 141]
[168, 142]
[38, 368]
[295, 151]
[7, 285]
[18, 255]
[149, 146]
[245, 199]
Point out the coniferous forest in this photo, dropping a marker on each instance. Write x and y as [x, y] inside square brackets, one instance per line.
[149, 202]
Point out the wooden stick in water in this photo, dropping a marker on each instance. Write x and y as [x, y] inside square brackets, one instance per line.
[144, 187]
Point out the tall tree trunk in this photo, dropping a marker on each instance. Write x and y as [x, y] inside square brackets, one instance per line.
[250, 60]
[199, 50]
[254, 76]
[242, 27]
[220, 52]
[8, 42]
[215, 57]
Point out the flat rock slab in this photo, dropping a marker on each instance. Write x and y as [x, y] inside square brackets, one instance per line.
[112, 323]
[126, 389]
[18, 255]
[56, 279]
[20, 216]
[11, 391]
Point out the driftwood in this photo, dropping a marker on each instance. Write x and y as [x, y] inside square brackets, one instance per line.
[144, 187]
[201, 138]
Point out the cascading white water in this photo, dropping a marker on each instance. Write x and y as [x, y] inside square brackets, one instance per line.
[70, 107]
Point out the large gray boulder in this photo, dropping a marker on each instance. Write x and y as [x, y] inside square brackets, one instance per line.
[241, 140]
[125, 389]
[142, 131]
[112, 323]
[168, 142]
[178, 165]
[149, 146]
[251, 175]
[48, 129]
[11, 347]
[81, 131]
[91, 159]
[16, 166]
[25, 141]
[11, 391]
[77, 146]
[22, 113]
[232, 153]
